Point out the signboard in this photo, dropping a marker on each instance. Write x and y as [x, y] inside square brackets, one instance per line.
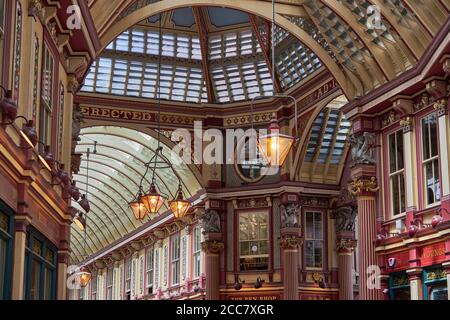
[254, 297]
[401, 261]
[432, 254]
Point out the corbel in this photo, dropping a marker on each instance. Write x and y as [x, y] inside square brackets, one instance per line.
[49, 13]
[403, 106]
[117, 255]
[437, 88]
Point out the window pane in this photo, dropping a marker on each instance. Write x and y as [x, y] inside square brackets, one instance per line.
[425, 139]
[399, 150]
[392, 150]
[35, 280]
[395, 195]
[254, 241]
[433, 135]
[402, 193]
[314, 239]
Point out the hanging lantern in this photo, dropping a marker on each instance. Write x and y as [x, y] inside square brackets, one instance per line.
[84, 203]
[275, 146]
[8, 106]
[84, 277]
[73, 191]
[138, 208]
[152, 201]
[29, 134]
[179, 206]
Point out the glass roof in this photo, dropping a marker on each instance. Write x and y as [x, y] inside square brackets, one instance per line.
[115, 172]
[328, 134]
[237, 68]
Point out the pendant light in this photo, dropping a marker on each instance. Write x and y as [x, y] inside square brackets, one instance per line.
[179, 206]
[275, 146]
[151, 202]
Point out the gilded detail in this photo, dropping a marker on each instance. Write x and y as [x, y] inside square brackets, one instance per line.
[290, 242]
[363, 185]
[212, 246]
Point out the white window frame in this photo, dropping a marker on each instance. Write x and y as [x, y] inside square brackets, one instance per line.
[127, 276]
[175, 255]
[197, 252]
[149, 260]
[109, 283]
[94, 288]
[314, 239]
[397, 174]
[434, 160]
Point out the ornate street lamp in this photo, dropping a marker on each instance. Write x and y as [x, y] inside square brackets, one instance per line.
[179, 205]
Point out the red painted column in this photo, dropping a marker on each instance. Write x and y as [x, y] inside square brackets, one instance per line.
[212, 247]
[290, 242]
[364, 187]
[345, 248]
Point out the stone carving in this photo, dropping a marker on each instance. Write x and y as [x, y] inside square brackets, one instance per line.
[424, 101]
[289, 215]
[345, 245]
[212, 246]
[210, 221]
[290, 242]
[77, 120]
[362, 148]
[345, 218]
[389, 119]
[407, 124]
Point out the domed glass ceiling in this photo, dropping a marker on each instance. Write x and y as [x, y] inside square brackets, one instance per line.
[236, 65]
[115, 171]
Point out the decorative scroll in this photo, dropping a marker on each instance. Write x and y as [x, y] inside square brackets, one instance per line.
[17, 51]
[290, 242]
[35, 77]
[362, 184]
[61, 120]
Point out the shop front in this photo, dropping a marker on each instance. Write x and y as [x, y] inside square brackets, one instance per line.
[424, 277]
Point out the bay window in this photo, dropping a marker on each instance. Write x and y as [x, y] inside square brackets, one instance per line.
[430, 160]
[149, 270]
[396, 173]
[313, 239]
[175, 261]
[254, 241]
[197, 249]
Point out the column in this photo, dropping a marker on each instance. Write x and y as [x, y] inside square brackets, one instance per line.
[290, 242]
[364, 188]
[212, 249]
[18, 279]
[61, 285]
[415, 282]
[345, 248]
[212, 245]
[441, 108]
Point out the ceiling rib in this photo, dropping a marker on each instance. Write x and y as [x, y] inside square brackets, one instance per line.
[203, 37]
[265, 48]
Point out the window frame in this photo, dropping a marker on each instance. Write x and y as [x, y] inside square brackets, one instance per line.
[149, 267]
[396, 174]
[196, 253]
[94, 285]
[324, 239]
[127, 276]
[431, 159]
[47, 108]
[44, 265]
[175, 260]
[267, 212]
[109, 283]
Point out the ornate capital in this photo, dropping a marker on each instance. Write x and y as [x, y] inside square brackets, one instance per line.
[213, 247]
[407, 124]
[290, 242]
[345, 245]
[363, 185]
[441, 107]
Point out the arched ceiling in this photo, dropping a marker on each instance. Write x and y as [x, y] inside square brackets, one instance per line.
[360, 52]
[115, 171]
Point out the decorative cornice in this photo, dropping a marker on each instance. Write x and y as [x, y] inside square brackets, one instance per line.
[252, 203]
[360, 185]
[290, 242]
[212, 247]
